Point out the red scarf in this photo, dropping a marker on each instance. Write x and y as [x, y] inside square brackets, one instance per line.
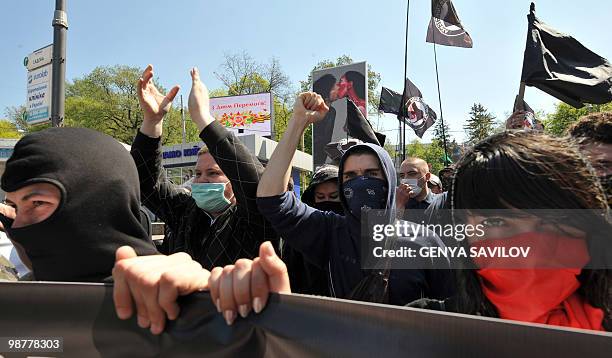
[532, 293]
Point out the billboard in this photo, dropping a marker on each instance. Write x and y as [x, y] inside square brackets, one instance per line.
[245, 114]
[336, 85]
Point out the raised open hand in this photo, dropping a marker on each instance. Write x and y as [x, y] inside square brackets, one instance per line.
[199, 101]
[154, 104]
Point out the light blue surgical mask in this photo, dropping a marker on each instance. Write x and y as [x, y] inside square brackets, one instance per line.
[210, 197]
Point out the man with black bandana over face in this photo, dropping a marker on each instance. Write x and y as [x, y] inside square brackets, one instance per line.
[77, 200]
[331, 241]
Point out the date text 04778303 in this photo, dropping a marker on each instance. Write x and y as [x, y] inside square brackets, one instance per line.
[31, 344]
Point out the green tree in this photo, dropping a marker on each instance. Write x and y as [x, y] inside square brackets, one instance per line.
[17, 115]
[8, 129]
[480, 124]
[432, 153]
[241, 74]
[107, 100]
[440, 134]
[556, 123]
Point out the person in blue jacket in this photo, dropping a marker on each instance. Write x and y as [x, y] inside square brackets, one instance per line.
[367, 180]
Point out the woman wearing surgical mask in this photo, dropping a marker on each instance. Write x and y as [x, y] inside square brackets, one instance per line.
[210, 188]
[533, 191]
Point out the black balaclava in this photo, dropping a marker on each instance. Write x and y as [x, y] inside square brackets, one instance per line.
[99, 210]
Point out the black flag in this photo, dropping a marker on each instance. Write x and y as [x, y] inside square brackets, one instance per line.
[561, 66]
[416, 113]
[445, 27]
[390, 101]
[357, 126]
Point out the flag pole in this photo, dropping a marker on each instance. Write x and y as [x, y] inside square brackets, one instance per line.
[400, 117]
[440, 101]
[518, 105]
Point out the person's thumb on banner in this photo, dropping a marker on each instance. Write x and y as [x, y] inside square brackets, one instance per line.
[269, 274]
[275, 268]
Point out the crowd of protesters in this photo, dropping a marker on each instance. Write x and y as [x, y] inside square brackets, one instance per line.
[74, 214]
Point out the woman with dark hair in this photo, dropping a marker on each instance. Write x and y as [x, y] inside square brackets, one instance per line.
[352, 85]
[497, 185]
[322, 194]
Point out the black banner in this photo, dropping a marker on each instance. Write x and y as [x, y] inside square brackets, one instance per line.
[390, 101]
[415, 112]
[357, 126]
[562, 67]
[83, 316]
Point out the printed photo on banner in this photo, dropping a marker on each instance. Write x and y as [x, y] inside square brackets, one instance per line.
[338, 85]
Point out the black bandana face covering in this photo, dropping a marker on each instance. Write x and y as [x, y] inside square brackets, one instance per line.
[333, 206]
[365, 193]
[99, 210]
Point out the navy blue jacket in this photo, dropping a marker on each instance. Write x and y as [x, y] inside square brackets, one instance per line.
[332, 242]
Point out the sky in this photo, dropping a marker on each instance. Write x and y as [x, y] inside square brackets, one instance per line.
[174, 36]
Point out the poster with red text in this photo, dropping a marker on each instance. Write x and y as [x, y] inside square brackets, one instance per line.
[245, 114]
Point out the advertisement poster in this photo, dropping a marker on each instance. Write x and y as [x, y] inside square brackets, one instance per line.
[336, 85]
[39, 95]
[246, 114]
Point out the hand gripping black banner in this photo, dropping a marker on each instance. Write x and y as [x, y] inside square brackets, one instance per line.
[290, 326]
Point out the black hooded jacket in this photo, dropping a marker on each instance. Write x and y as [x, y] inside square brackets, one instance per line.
[332, 242]
[236, 233]
[306, 277]
[99, 210]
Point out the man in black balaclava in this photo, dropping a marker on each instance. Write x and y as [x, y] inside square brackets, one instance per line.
[76, 197]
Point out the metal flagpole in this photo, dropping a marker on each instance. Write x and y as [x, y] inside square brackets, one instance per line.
[440, 101]
[183, 119]
[400, 116]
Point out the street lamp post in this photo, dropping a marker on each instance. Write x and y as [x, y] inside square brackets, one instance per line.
[60, 29]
